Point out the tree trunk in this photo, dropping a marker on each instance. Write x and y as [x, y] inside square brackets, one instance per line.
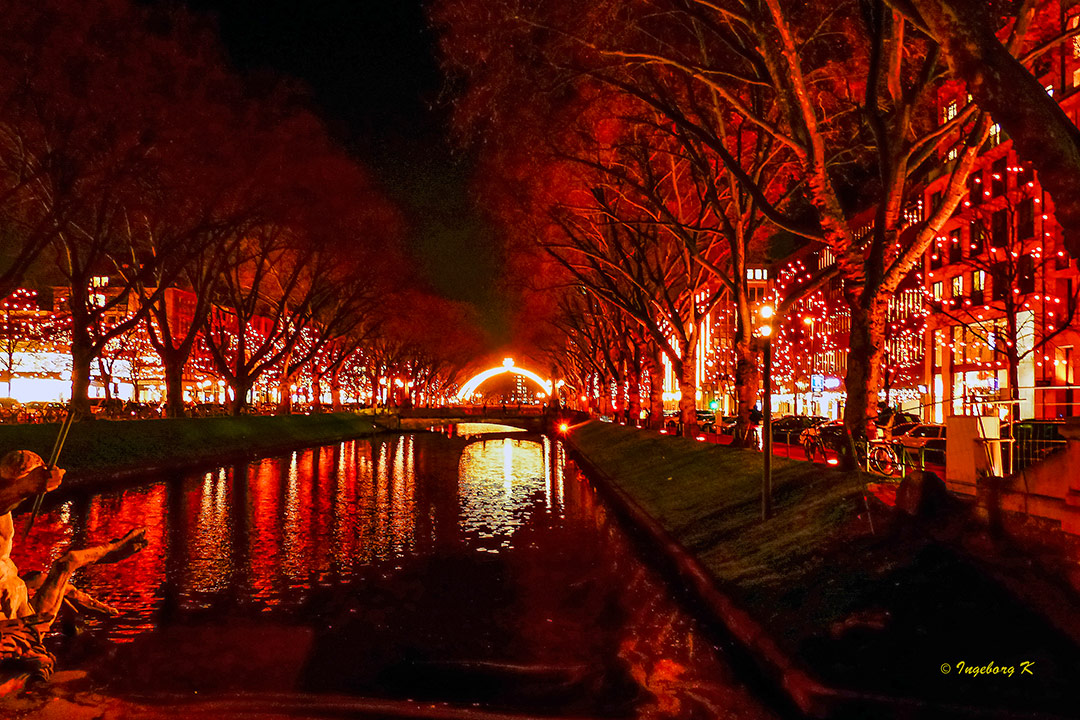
[241, 386]
[316, 392]
[863, 378]
[656, 390]
[335, 390]
[81, 358]
[375, 390]
[285, 405]
[106, 379]
[747, 384]
[174, 384]
[604, 404]
[688, 391]
[633, 390]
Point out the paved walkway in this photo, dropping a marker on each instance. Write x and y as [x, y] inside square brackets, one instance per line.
[794, 451]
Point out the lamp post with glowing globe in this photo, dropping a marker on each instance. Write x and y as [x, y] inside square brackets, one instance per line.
[765, 331]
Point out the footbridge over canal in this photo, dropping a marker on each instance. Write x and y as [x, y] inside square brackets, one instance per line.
[527, 417]
[471, 406]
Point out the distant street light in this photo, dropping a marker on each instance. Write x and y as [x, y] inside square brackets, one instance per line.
[765, 331]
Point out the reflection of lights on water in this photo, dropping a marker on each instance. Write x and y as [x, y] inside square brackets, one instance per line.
[271, 526]
[498, 483]
[560, 464]
[220, 490]
[292, 541]
[209, 545]
[547, 472]
[508, 467]
[467, 429]
[399, 458]
[402, 506]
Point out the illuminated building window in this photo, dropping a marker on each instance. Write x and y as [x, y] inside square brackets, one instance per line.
[938, 289]
[957, 287]
[1063, 367]
[913, 213]
[978, 284]
[949, 112]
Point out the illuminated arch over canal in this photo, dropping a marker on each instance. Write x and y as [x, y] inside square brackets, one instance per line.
[508, 366]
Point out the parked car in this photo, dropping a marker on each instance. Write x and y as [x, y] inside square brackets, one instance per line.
[706, 420]
[43, 411]
[904, 428]
[900, 416]
[10, 409]
[791, 427]
[1032, 440]
[926, 440]
[209, 409]
[726, 425]
[106, 408]
[824, 435]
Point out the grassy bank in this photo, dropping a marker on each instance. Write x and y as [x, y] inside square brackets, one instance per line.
[876, 611]
[104, 447]
[708, 497]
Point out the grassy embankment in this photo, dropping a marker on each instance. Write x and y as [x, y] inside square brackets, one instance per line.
[104, 447]
[708, 498]
[876, 611]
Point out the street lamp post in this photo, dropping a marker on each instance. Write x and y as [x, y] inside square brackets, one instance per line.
[766, 412]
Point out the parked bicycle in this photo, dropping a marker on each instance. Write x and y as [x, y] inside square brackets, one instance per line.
[880, 457]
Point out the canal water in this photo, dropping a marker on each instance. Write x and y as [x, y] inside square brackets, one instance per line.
[463, 565]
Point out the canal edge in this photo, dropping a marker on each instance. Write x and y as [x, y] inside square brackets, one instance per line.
[807, 694]
[101, 479]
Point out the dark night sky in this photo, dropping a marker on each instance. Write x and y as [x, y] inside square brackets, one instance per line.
[371, 70]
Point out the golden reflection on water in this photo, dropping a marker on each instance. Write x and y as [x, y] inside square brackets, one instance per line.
[208, 569]
[498, 489]
[471, 429]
